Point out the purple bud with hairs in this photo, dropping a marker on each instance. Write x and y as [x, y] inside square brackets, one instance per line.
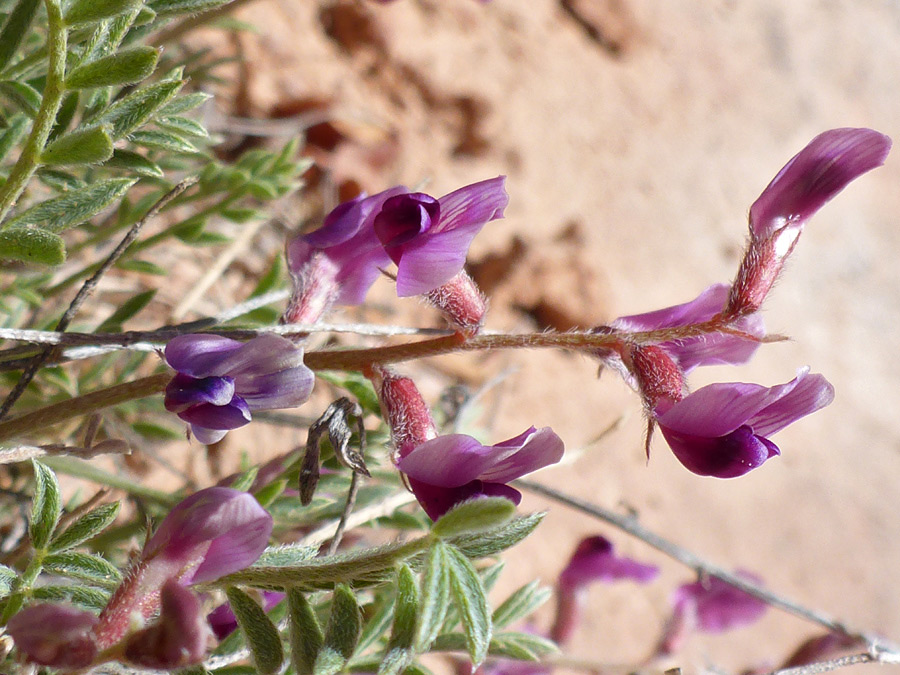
[55, 635]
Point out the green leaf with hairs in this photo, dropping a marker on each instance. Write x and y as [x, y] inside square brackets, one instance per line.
[86, 146]
[306, 636]
[167, 8]
[84, 596]
[125, 67]
[494, 541]
[8, 578]
[135, 109]
[183, 126]
[45, 507]
[435, 596]
[470, 600]
[84, 566]
[125, 311]
[88, 526]
[32, 245]
[258, 630]
[12, 134]
[83, 12]
[25, 97]
[73, 208]
[520, 604]
[161, 140]
[342, 633]
[15, 29]
[134, 162]
[400, 653]
[185, 103]
[475, 515]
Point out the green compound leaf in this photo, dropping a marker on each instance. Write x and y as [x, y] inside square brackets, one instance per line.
[126, 67]
[73, 208]
[475, 515]
[259, 632]
[78, 565]
[342, 633]
[435, 597]
[167, 8]
[520, 604]
[399, 649]
[469, 598]
[15, 29]
[82, 12]
[492, 542]
[32, 245]
[88, 146]
[138, 107]
[46, 506]
[88, 526]
[305, 632]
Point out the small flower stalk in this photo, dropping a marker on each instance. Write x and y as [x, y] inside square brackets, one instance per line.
[219, 382]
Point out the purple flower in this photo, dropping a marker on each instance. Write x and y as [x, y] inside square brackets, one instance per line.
[722, 429]
[807, 182]
[55, 635]
[429, 238]
[715, 606]
[703, 350]
[212, 533]
[450, 469]
[220, 381]
[593, 560]
[222, 619]
[179, 636]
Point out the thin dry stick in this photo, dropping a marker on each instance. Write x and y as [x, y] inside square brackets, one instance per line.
[630, 525]
[874, 656]
[348, 508]
[384, 508]
[86, 289]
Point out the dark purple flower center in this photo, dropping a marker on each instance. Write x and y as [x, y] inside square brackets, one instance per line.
[184, 392]
[403, 218]
[728, 456]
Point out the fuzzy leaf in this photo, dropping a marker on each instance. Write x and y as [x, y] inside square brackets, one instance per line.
[132, 161]
[523, 646]
[15, 29]
[8, 578]
[126, 311]
[435, 596]
[144, 267]
[77, 565]
[83, 12]
[342, 633]
[377, 625]
[305, 632]
[25, 97]
[84, 596]
[46, 506]
[328, 662]
[475, 515]
[492, 542]
[74, 207]
[259, 632]
[32, 245]
[12, 134]
[183, 126]
[469, 598]
[161, 140]
[167, 8]
[185, 103]
[88, 526]
[399, 653]
[520, 604]
[396, 661]
[134, 110]
[125, 67]
[89, 146]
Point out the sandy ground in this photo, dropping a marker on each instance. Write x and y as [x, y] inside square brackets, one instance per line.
[635, 134]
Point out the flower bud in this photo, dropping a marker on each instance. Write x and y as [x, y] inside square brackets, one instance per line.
[461, 302]
[405, 410]
[55, 635]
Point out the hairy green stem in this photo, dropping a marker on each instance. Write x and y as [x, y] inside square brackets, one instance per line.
[43, 123]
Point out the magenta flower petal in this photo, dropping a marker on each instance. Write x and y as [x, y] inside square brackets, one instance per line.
[430, 262]
[448, 461]
[533, 450]
[220, 417]
[473, 205]
[594, 560]
[199, 355]
[721, 430]
[262, 355]
[436, 501]
[718, 606]
[403, 218]
[55, 635]
[814, 175]
[213, 532]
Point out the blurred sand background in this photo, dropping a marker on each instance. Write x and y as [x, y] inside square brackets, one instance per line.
[635, 135]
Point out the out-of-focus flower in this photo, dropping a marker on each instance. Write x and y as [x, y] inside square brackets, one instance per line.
[447, 470]
[220, 381]
[55, 635]
[429, 238]
[178, 638]
[709, 349]
[222, 619]
[722, 429]
[821, 648]
[807, 182]
[593, 560]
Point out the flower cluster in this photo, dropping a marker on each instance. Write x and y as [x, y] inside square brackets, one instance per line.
[212, 533]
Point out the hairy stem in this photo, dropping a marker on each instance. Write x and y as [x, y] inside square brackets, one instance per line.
[43, 123]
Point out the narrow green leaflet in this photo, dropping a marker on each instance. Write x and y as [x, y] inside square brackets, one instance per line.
[88, 146]
[8, 578]
[475, 515]
[79, 594]
[185, 103]
[73, 208]
[435, 596]
[381, 615]
[469, 598]
[132, 161]
[162, 140]
[342, 633]
[17, 125]
[84, 566]
[134, 110]
[89, 525]
[25, 97]
[183, 126]
[492, 542]
[83, 12]
[520, 604]
[125, 67]
[305, 632]
[399, 652]
[32, 245]
[125, 311]
[46, 506]
[15, 29]
[523, 646]
[259, 632]
[165, 8]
